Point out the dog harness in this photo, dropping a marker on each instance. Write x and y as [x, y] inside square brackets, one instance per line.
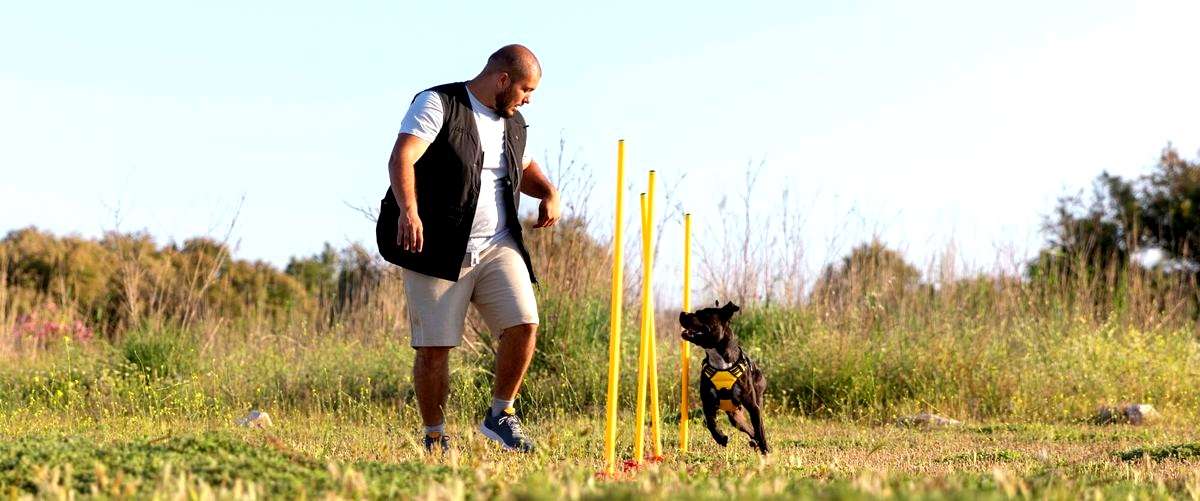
[723, 379]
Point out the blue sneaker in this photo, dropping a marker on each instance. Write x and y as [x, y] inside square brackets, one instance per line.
[506, 429]
[437, 438]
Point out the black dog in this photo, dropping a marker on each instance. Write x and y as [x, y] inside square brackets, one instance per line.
[730, 381]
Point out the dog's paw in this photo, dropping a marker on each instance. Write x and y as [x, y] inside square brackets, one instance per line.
[722, 440]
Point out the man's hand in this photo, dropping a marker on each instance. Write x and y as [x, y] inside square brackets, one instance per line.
[549, 211]
[410, 235]
[535, 184]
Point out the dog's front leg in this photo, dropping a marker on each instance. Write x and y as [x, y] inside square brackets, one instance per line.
[710, 420]
[760, 435]
[739, 421]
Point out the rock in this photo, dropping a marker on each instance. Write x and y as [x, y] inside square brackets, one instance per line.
[256, 419]
[927, 420]
[1142, 414]
[1135, 414]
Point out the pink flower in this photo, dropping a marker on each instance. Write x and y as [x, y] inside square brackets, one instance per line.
[43, 331]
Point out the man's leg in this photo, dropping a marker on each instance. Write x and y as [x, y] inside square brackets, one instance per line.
[513, 354]
[431, 379]
[436, 309]
[505, 298]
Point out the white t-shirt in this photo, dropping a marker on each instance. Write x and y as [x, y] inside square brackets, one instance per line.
[424, 120]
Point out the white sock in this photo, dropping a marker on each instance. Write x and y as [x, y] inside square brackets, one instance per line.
[499, 406]
[440, 429]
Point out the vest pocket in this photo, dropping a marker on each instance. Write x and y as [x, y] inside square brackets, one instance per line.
[459, 134]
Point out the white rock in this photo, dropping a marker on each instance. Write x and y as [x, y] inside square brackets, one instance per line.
[256, 419]
[1141, 413]
[926, 419]
[1136, 414]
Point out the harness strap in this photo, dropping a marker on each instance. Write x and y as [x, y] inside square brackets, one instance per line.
[723, 380]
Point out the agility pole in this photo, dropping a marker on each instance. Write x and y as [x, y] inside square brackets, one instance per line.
[651, 329]
[639, 413]
[683, 345]
[614, 324]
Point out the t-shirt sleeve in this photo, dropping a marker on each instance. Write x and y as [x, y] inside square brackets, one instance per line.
[424, 117]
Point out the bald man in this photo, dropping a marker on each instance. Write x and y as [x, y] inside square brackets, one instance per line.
[450, 219]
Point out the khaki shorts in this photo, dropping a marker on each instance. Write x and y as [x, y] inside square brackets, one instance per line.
[498, 285]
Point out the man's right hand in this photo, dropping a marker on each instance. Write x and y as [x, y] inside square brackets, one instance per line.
[410, 235]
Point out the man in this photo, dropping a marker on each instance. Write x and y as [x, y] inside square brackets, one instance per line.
[457, 173]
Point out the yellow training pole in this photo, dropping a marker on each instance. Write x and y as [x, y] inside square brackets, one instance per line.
[651, 339]
[655, 433]
[683, 345]
[614, 324]
[640, 411]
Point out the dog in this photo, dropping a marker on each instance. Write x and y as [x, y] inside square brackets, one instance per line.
[729, 381]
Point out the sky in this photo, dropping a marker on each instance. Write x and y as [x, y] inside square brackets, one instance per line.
[934, 125]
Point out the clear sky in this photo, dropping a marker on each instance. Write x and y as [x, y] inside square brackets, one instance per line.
[928, 123]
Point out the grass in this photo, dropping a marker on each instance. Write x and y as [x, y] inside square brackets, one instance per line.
[1182, 452]
[152, 416]
[124, 364]
[318, 454]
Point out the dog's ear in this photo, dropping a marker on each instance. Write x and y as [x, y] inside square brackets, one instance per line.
[728, 310]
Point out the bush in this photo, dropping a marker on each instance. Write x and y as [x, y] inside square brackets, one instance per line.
[167, 354]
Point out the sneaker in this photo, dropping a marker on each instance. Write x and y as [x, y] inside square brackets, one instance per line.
[437, 438]
[506, 429]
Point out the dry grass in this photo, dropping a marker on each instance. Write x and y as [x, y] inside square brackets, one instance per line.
[376, 457]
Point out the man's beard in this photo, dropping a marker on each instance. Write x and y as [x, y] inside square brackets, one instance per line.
[506, 101]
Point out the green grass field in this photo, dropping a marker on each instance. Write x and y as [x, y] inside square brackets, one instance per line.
[122, 374]
[375, 455]
[154, 416]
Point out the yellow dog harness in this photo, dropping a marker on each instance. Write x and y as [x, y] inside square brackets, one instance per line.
[723, 380]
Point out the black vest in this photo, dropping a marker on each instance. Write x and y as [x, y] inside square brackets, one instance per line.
[447, 185]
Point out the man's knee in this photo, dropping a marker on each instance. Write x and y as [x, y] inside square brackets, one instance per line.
[523, 331]
[433, 355]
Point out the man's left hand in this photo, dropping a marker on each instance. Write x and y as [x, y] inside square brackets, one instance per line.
[549, 211]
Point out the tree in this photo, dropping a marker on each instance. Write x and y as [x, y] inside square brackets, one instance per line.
[318, 273]
[871, 272]
[1159, 211]
[1170, 209]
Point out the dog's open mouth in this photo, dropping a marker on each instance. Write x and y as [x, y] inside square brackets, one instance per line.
[687, 334]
